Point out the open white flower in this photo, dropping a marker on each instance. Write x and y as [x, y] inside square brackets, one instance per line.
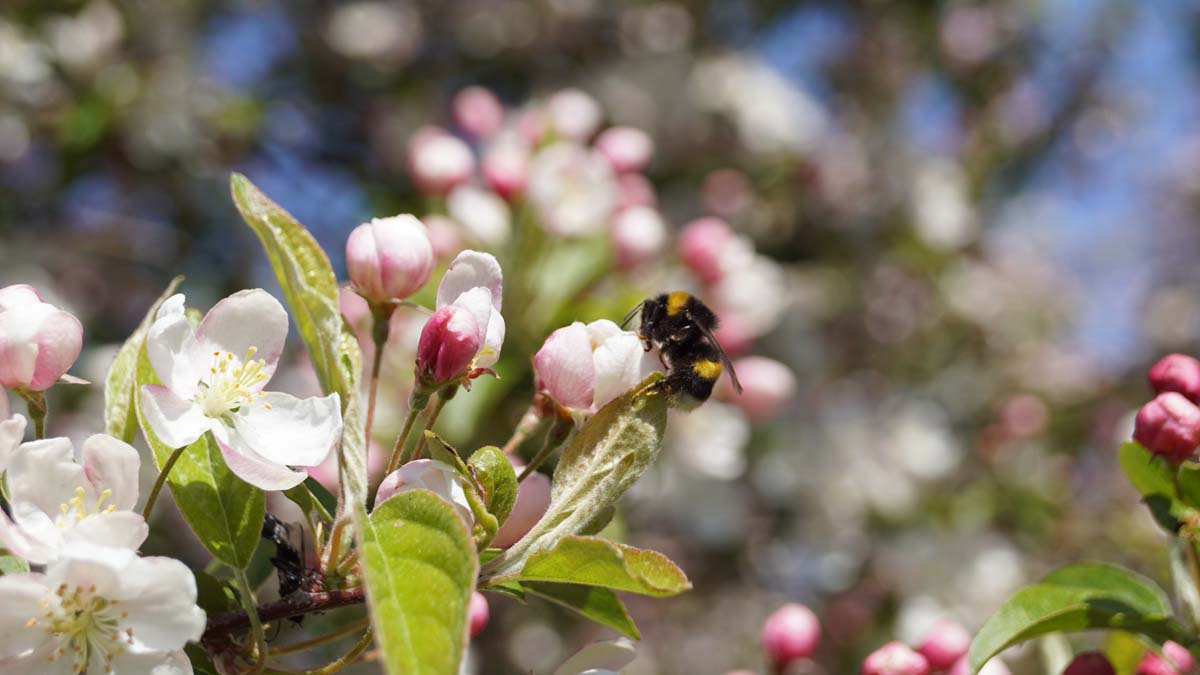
[12, 431]
[474, 281]
[57, 502]
[99, 609]
[212, 378]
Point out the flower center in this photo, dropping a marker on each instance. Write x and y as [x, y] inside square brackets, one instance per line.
[82, 622]
[76, 508]
[231, 383]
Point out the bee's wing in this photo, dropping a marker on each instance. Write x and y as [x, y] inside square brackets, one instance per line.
[632, 313]
[724, 357]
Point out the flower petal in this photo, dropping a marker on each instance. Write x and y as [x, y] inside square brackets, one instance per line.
[44, 475]
[605, 656]
[12, 432]
[472, 269]
[170, 346]
[36, 539]
[621, 363]
[287, 430]
[160, 595]
[111, 464]
[20, 598]
[119, 529]
[250, 318]
[128, 662]
[563, 366]
[59, 341]
[489, 354]
[251, 467]
[175, 421]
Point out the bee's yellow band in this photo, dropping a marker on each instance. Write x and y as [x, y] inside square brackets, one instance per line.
[675, 302]
[708, 370]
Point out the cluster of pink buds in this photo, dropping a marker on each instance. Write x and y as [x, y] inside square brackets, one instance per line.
[943, 650]
[577, 178]
[1175, 659]
[1169, 425]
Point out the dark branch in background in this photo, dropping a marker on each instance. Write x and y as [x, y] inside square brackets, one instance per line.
[221, 626]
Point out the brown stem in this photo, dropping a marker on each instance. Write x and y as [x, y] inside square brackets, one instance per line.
[222, 625]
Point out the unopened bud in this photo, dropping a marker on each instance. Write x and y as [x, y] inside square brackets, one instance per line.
[790, 634]
[38, 341]
[477, 613]
[895, 658]
[389, 258]
[945, 644]
[1169, 426]
[1177, 372]
[1089, 663]
[1175, 660]
[449, 342]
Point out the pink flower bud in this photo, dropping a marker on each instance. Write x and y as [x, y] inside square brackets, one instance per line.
[626, 148]
[38, 341]
[533, 498]
[1175, 660]
[944, 644]
[448, 344]
[506, 167]
[574, 114]
[895, 658]
[634, 189]
[1169, 426]
[438, 161]
[1090, 663]
[441, 479]
[478, 112]
[790, 634]
[389, 258]
[638, 236]
[767, 385]
[1177, 372]
[703, 244]
[477, 613]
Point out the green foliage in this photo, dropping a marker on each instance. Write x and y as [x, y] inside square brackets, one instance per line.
[419, 564]
[225, 512]
[119, 418]
[498, 479]
[10, 564]
[591, 561]
[1154, 478]
[612, 450]
[311, 290]
[597, 604]
[1074, 598]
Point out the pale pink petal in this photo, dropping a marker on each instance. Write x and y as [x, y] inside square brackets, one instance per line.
[428, 474]
[12, 432]
[250, 318]
[86, 564]
[493, 340]
[18, 295]
[175, 422]
[160, 595]
[59, 340]
[111, 464]
[128, 662]
[620, 363]
[35, 540]
[563, 366]
[20, 600]
[469, 270]
[170, 348]
[44, 474]
[287, 430]
[255, 470]
[478, 302]
[121, 529]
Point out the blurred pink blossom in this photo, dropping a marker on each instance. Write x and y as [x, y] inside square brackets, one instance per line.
[572, 188]
[767, 385]
[478, 112]
[790, 634]
[945, 644]
[1088, 663]
[438, 161]
[477, 612]
[628, 149]
[574, 114]
[638, 235]
[505, 166]
[634, 189]
[895, 658]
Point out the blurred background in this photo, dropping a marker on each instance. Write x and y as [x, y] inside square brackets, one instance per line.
[973, 224]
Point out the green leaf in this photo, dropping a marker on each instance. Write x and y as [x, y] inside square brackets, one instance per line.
[495, 473]
[311, 290]
[1149, 474]
[119, 418]
[304, 496]
[212, 595]
[11, 564]
[513, 590]
[419, 564]
[1075, 598]
[225, 512]
[597, 604]
[1189, 483]
[612, 450]
[591, 561]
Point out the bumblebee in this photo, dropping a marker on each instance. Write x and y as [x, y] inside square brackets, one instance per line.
[681, 327]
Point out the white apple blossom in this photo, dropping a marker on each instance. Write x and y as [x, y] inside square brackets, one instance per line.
[58, 502]
[212, 381]
[439, 478]
[99, 609]
[583, 367]
[12, 431]
[474, 281]
[606, 657]
[573, 188]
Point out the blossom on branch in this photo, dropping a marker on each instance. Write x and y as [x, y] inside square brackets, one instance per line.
[38, 341]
